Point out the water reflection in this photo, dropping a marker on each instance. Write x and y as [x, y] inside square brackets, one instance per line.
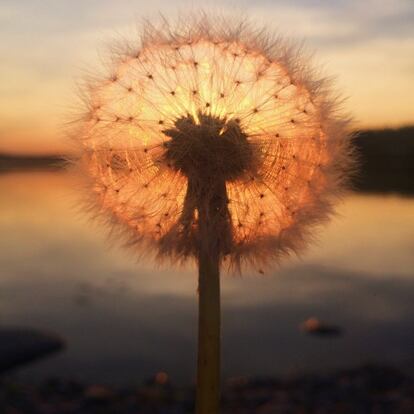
[123, 320]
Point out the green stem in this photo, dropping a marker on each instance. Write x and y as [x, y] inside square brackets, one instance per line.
[206, 202]
[208, 373]
[214, 236]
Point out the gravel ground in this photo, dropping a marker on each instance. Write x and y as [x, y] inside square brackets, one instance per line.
[369, 389]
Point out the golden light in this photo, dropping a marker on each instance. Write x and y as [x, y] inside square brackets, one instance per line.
[287, 116]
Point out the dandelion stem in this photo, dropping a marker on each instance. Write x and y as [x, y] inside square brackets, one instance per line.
[214, 231]
[208, 373]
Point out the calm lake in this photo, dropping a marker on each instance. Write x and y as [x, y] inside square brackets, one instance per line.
[125, 320]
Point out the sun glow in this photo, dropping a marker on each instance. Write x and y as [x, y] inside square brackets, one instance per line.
[209, 83]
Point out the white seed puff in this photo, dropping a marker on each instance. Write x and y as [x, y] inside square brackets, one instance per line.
[204, 109]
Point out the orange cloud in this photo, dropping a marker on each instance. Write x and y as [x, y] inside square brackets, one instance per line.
[44, 48]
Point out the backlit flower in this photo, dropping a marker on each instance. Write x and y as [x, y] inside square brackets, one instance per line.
[212, 117]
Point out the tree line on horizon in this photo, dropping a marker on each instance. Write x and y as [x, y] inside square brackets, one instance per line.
[386, 160]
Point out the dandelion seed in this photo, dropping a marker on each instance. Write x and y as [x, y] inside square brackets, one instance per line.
[221, 107]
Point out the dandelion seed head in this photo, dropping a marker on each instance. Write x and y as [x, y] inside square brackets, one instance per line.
[210, 114]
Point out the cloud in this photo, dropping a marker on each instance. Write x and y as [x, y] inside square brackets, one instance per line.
[45, 44]
[342, 22]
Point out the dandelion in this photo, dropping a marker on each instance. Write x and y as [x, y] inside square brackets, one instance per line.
[213, 141]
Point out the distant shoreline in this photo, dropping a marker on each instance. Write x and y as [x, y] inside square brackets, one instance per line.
[386, 161]
[9, 163]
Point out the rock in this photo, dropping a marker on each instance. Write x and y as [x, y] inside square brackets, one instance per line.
[314, 326]
[19, 346]
[99, 394]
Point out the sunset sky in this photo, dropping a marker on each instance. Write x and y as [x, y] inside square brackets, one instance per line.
[46, 45]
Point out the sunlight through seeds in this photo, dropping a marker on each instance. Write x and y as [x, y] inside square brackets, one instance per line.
[201, 105]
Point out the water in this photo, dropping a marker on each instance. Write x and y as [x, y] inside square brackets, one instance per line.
[124, 320]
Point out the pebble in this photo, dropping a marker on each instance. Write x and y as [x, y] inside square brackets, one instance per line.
[364, 390]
